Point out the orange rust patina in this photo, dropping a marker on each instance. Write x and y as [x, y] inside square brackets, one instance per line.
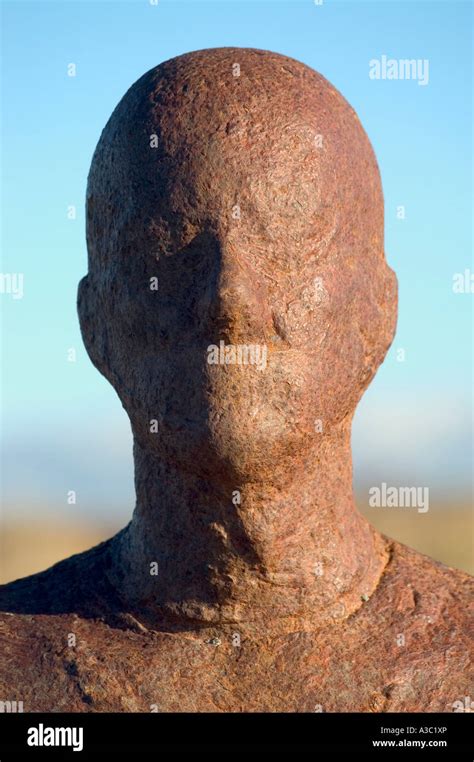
[239, 301]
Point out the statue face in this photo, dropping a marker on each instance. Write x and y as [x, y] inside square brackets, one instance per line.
[238, 297]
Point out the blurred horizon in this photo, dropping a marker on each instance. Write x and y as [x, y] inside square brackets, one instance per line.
[50, 536]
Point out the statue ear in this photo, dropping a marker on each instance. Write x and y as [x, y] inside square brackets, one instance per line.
[391, 305]
[384, 322]
[91, 320]
[377, 320]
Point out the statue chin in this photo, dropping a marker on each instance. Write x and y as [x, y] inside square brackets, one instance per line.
[237, 444]
[229, 423]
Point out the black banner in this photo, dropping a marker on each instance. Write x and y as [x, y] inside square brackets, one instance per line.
[89, 736]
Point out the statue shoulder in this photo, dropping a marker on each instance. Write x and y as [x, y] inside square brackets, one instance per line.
[79, 584]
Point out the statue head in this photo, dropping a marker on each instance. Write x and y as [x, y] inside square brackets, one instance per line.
[238, 297]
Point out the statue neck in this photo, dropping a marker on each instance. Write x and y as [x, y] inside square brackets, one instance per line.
[199, 552]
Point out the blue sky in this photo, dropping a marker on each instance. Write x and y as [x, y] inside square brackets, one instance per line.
[63, 427]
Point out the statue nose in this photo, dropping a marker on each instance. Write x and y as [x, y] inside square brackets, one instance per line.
[239, 306]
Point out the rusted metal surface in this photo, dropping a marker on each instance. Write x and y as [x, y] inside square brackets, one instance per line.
[239, 301]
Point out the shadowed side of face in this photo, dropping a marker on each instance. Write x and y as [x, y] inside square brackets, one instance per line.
[237, 290]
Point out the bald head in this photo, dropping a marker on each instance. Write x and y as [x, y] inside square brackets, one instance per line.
[242, 182]
[210, 130]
